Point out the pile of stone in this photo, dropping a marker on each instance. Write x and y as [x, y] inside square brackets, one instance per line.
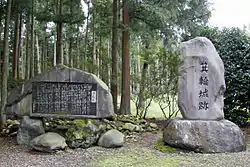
[129, 124]
[50, 134]
[10, 128]
[85, 133]
[201, 88]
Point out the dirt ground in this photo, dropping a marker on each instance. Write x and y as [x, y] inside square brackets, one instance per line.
[137, 152]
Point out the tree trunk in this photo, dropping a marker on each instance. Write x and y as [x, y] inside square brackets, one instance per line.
[1, 28]
[141, 96]
[94, 47]
[44, 59]
[78, 62]
[66, 57]
[4, 91]
[32, 59]
[109, 63]
[19, 47]
[27, 61]
[44, 51]
[16, 47]
[71, 59]
[54, 57]
[84, 62]
[115, 38]
[38, 56]
[24, 59]
[119, 52]
[101, 67]
[98, 62]
[45, 48]
[47, 55]
[59, 57]
[125, 99]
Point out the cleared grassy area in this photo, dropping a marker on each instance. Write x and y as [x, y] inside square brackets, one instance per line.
[141, 158]
[154, 110]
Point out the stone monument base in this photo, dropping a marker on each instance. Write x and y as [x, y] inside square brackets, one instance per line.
[204, 136]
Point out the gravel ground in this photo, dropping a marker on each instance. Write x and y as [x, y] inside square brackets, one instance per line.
[13, 155]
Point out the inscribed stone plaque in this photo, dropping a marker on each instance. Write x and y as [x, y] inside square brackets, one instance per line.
[201, 80]
[64, 98]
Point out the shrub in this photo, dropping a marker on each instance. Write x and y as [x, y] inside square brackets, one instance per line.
[233, 45]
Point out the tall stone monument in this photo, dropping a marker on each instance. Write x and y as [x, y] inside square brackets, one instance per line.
[201, 81]
[201, 87]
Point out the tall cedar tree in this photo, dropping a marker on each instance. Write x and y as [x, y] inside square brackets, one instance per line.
[115, 38]
[5, 72]
[125, 99]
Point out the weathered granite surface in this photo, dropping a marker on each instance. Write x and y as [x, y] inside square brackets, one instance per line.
[204, 136]
[48, 142]
[111, 139]
[201, 81]
[29, 129]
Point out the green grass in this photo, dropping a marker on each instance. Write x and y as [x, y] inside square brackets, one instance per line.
[154, 110]
[160, 146]
[140, 159]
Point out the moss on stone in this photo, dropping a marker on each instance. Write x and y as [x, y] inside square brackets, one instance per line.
[59, 113]
[141, 158]
[76, 130]
[160, 146]
[80, 122]
[248, 146]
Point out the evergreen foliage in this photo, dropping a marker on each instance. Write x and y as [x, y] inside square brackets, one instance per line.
[233, 45]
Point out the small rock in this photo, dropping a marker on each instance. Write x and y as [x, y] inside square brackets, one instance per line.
[7, 131]
[129, 126]
[12, 122]
[68, 150]
[106, 121]
[29, 129]
[13, 134]
[142, 121]
[59, 152]
[109, 127]
[16, 122]
[153, 125]
[128, 136]
[149, 129]
[138, 128]
[48, 142]
[112, 138]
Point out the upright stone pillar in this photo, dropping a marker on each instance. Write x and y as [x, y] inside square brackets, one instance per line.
[200, 99]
